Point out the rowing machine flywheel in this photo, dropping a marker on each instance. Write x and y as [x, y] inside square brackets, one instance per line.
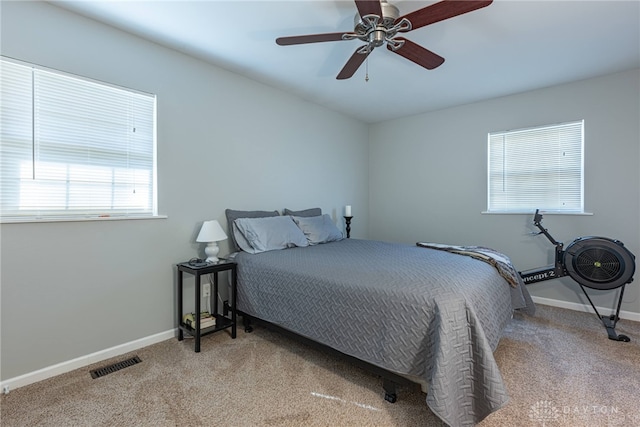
[599, 262]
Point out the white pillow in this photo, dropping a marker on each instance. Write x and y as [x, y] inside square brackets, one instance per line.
[255, 235]
[318, 229]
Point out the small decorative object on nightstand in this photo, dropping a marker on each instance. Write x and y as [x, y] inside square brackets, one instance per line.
[224, 320]
[347, 218]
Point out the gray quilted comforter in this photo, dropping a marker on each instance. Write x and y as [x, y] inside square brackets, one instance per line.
[411, 310]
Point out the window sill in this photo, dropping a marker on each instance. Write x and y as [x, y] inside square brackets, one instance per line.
[101, 218]
[543, 212]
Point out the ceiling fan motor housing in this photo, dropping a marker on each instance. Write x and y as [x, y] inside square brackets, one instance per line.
[389, 15]
[599, 262]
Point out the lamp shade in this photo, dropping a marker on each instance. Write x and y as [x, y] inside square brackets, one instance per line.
[211, 231]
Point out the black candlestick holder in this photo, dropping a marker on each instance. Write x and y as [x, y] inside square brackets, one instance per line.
[347, 219]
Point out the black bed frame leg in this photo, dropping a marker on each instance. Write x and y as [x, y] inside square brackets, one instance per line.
[246, 322]
[390, 391]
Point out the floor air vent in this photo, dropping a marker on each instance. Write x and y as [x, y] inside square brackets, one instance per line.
[101, 372]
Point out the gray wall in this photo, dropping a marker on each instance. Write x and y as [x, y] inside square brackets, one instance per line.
[74, 288]
[428, 176]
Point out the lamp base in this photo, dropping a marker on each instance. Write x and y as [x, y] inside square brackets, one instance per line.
[211, 250]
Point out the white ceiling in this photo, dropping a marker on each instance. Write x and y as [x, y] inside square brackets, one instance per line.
[508, 47]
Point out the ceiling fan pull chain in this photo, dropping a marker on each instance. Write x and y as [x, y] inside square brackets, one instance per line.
[366, 77]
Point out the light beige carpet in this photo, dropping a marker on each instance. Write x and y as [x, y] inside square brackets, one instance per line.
[559, 367]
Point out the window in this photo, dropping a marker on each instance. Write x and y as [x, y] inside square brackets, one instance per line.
[74, 148]
[537, 168]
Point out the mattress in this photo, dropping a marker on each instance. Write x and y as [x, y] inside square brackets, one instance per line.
[415, 311]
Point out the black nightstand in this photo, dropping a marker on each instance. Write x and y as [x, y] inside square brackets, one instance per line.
[223, 321]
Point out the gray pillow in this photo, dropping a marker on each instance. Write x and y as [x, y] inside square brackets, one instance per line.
[269, 234]
[305, 212]
[232, 215]
[319, 229]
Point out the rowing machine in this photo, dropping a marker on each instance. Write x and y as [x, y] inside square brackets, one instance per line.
[594, 262]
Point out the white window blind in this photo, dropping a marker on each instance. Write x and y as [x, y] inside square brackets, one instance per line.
[537, 168]
[72, 147]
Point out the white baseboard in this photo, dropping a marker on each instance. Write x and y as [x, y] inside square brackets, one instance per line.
[629, 315]
[80, 362]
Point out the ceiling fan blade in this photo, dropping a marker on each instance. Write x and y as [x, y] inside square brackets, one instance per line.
[352, 65]
[310, 38]
[443, 10]
[369, 7]
[416, 53]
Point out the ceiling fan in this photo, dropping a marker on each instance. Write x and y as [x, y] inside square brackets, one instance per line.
[377, 22]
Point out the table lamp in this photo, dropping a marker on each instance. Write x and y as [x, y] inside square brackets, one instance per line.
[211, 233]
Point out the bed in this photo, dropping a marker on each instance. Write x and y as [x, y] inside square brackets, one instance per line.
[428, 315]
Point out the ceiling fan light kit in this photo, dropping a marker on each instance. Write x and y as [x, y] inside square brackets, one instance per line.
[378, 22]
